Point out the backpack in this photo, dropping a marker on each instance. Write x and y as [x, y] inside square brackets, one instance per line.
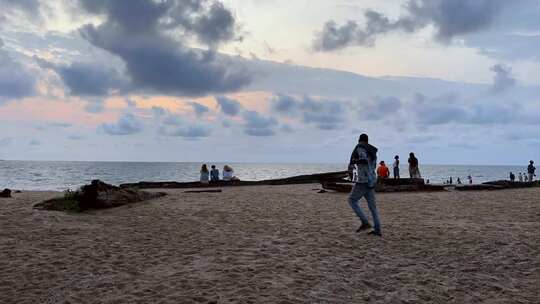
[361, 169]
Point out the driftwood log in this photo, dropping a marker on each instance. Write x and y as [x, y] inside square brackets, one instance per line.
[509, 184]
[301, 179]
[204, 191]
[386, 185]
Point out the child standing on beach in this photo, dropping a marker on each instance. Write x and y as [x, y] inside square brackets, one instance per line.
[362, 171]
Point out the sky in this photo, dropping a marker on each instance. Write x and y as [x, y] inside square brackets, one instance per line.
[455, 81]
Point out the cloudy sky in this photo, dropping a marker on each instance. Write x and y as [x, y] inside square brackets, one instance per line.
[456, 81]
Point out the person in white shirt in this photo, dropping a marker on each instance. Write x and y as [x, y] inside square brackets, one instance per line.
[396, 166]
[228, 174]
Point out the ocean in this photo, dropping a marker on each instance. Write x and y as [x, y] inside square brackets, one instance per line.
[62, 175]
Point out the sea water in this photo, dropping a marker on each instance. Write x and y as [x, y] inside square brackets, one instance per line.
[62, 175]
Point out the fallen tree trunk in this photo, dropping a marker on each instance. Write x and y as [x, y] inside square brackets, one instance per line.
[510, 185]
[301, 179]
[478, 187]
[387, 185]
[204, 191]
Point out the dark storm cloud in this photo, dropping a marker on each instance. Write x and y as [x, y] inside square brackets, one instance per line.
[15, 80]
[84, 79]
[199, 108]
[127, 124]
[257, 125]
[324, 114]
[502, 79]
[228, 106]
[450, 18]
[141, 34]
[211, 22]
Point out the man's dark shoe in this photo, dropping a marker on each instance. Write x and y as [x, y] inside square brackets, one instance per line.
[363, 227]
[373, 232]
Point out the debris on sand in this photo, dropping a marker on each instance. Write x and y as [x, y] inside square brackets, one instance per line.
[97, 195]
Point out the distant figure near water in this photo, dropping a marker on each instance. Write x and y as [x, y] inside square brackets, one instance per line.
[414, 171]
[362, 172]
[205, 175]
[396, 166]
[530, 170]
[512, 177]
[214, 174]
[383, 172]
[520, 177]
[470, 179]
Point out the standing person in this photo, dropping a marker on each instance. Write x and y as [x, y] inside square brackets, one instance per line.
[362, 172]
[396, 166]
[383, 171]
[459, 181]
[204, 174]
[470, 179]
[512, 177]
[530, 170]
[214, 174]
[414, 172]
[520, 177]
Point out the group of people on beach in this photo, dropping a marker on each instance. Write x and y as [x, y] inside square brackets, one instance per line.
[212, 175]
[529, 177]
[383, 171]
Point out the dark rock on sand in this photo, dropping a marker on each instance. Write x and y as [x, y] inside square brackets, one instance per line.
[5, 193]
[97, 195]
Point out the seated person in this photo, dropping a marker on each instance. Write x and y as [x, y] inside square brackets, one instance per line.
[228, 173]
[214, 174]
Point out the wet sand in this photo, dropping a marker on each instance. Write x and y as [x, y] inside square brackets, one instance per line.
[281, 244]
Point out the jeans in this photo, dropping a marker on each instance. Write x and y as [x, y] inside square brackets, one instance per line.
[396, 172]
[531, 176]
[359, 191]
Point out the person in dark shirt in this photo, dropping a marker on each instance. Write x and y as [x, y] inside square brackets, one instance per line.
[414, 171]
[214, 174]
[530, 170]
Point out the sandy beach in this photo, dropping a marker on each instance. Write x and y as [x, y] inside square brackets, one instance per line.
[281, 244]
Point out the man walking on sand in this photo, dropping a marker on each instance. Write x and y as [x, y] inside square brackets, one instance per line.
[362, 172]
